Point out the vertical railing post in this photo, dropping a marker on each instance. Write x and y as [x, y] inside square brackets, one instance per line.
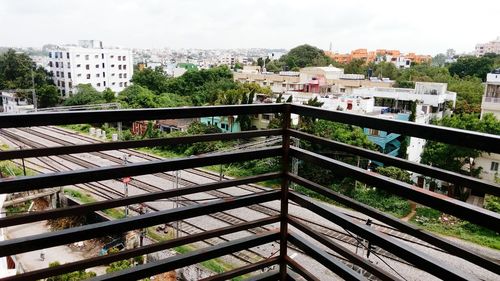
[285, 167]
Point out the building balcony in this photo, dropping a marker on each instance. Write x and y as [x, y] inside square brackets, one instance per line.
[294, 240]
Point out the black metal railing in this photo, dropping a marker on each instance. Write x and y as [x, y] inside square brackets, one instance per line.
[282, 227]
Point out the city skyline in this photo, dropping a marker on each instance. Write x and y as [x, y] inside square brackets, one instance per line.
[427, 28]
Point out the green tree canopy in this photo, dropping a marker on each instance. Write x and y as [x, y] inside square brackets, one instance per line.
[153, 79]
[85, 94]
[305, 55]
[472, 66]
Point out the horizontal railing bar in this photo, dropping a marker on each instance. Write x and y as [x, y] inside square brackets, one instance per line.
[228, 275]
[403, 226]
[300, 269]
[400, 249]
[196, 256]
[81, 148]
[474, 183]
[79, 210]
[324, 258]
[40, 181]
[131, 253]
[475, 140]
[273, 275]
[437, 201]
[66, 236]
[355, 259]
[127, 115]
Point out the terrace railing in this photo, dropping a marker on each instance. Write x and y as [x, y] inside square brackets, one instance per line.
[282, 227]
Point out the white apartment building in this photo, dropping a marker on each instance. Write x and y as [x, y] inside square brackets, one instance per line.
[90, 63]
[490, 47]
[490, 162]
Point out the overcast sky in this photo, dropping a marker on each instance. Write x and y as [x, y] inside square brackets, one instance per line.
[425, 26]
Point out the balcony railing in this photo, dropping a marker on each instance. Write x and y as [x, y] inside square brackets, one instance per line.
[281, 227]
[491, 99]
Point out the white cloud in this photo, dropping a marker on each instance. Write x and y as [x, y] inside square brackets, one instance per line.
[422, 26]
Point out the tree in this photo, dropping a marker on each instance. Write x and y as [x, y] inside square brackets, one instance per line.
[386, 69]
[72, 276]
[85, 94]
[153, 79]
[15, 70]
[274, 66]
[306, 123]
[355, 66]
[472, 66]
[305, 55]
[136, 96]
[454, 158]
[238, 66]
[48, 96]
[439, 59]
[108, 95]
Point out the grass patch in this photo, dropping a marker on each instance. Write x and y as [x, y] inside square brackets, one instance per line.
[160, 152]
[438, 222]
[85, 198]
[18, 208]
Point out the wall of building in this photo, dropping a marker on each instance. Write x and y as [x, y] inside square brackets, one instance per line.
[102, 68]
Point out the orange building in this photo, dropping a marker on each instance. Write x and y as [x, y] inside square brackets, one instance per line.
[373, 56]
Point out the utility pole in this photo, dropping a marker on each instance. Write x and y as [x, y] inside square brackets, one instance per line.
[35, 101]
[177, 223]
[125, 184]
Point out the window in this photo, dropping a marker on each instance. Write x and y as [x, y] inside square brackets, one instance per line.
[86, 57]
[494, 166]
[88, 76]
[62, 74]
[57, 64]
[58, 83]
[69, 74]
[123, 58]
[63, 92]
[97, 75]
[121, 84]
[96, 66]
[77, 55]
[119, 58]
[104, 83]
[120, 67]
[57, 73]
[50, 54]
[50, 63]
[125, 84]
[79, 75]
[98, 84]
[113, 83]
[55, 55]
[102, 65]
[96, 56]
[342, 90]
[78, 65]
[111, 56]
[67, 55]
[63, 84]
[124, 75]
[102, 56]
[112, 74]
[69, 65]
[70, 84]
[60, 55]
[87, 67]
[104, 75]
[120, 75]
[124, 66]
[112, 65]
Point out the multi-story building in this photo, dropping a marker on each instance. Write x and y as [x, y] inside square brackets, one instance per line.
[490, 162]
[320, 80]
[380, 55]
[490, 47]
[491, 97]
[90, 63]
